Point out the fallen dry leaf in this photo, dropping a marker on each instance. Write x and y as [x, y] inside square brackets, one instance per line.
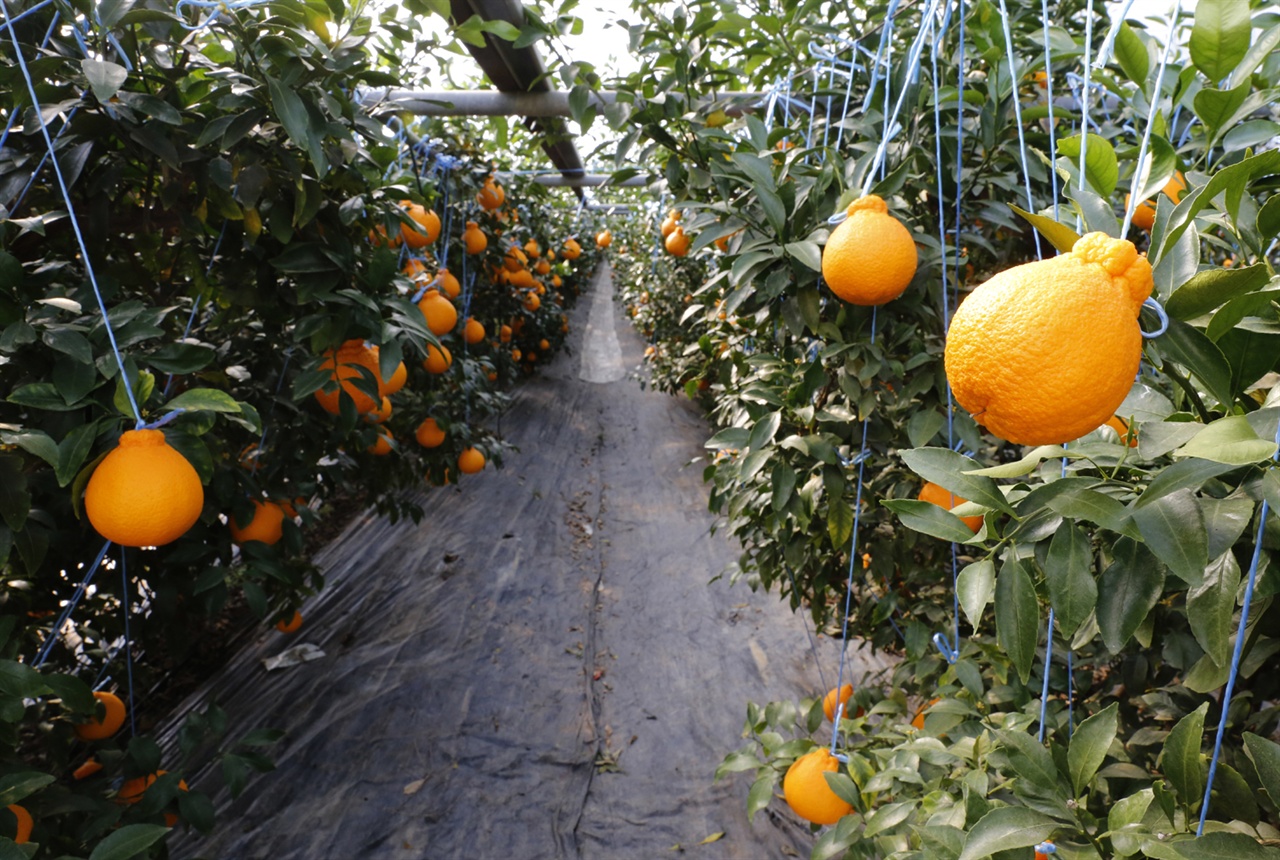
[415, 786]
[714, 837]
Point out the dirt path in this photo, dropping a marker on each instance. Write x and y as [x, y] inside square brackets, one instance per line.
[539, 669]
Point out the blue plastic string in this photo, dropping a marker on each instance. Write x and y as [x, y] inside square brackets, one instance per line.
[1237, 652]
[71, 216]
[1017, 114]
[128, 648]
[813, 644]
[1084, 102]
[1044, 684]
[1135, 183]
[1048, 94]
[47, 646]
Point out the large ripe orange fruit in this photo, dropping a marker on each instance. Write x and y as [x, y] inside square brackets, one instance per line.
[504, 334]
[438, 360]
[344, 366]
[428, 222]
[806, 790]
[1144, 214]
[1045, 352]
[470, 461]
[532, 248]
[572, 250]
[677, 244]
[381, 414]
[143, 493]
[429, 434]
[440, 314]
[399, 376]
[936, 495]
[267, 525]
[668, 225]
[112, 719]
[542, 267]
[22, 833]
[473, 331]
[521, 279]
[474, 238]
[870, 258]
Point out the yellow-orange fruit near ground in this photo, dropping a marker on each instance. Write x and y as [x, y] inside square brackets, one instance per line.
[22, 833]
[267, 525]
[343, 366]
[470, 461]
[438, 360]
[88, 769]
[291, 624]
[429, 434]
[870, 258]
[806, 790]
[829, 702]
[473, 331]
[112, 719]
[604, 239]
[1045, 352]
[133, 789]
[677, 244]
[428, 229]
[474, 238]
[1118, 424]
[143, 493]
[934, 494]
[382, 446]
[440, 314]
[1144, 214]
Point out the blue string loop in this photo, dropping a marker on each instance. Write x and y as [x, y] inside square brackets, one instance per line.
[1154, 305]
[948, 651]
[838, 218]
[1047, 848]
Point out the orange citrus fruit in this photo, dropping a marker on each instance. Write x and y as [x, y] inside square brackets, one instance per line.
[490, 196]
[806, 790]
[382, 446]
[669, 223]
[515, 355]
[428, 229]
[88, 769]
[22, 833]
[470, 461]
[515, 259]
[473, 331]
[290, 624]
[555, 281]
[870, 258]
[439, 312]
[829, 702]
[936, 495]
[1144, 214]
[572, 250]
[267, 525]
[918, 720]
[438, 360]
[532, 302]
[677, 244]
[1118, 424]
[522, 278]
[381, 414]
[133, 789]
[474, 238]
[449, 284]
[344, 367]
[542, 267]
[532, 248]
[504, 334]
[112, 719]
[429, 434]
[604, 239]
[143, 493]
[1045, 352]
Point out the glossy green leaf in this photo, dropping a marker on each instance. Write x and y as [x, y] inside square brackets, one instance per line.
[1005, 828]
[1265, 755]
[1062, 237]
[1068, 573]
[129, 841]
[976, 586]
[1225, 846]
[1017, 616]
[1127, 590]
[1212, 288]
[1230, 440]
[1216, 107]
[930, 519]
[1181, 760]
[1173, 528]
[949, 470]
[1089, 744]
[1190, 473]
[203, 400]
[1101, 165]
[105, 78]
[15, 786]
[1131, 53]
[1211, 606]
[1220, 38]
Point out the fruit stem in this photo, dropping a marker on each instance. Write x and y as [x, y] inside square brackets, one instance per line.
[1185, 385]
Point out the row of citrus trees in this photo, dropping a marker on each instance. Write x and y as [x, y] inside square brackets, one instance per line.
[307, 299]
[831, 412]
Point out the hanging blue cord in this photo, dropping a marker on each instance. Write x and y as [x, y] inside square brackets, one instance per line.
[1044, 684]
[813, 645]
[1084, 101]
[1135, 182]
[47, 646]
[34, 9]
[75, 222]
[1017, 113]
[1237, 653]
[13, 115]
[128, 646]
[886, 33]
[1048, 95]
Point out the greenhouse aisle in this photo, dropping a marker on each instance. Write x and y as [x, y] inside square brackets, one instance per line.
[537, 670]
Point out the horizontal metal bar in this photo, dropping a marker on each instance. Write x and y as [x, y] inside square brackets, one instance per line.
[496, 103]
[587, 180]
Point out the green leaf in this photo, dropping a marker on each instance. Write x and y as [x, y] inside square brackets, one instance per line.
[105, 78]
[1225, 846]
[930, 519]
[764, 430]
[950, 471]
[1254, 57]
[1181, 760]
[1101, 165]
[75, 694]
[204, 400]
[1211, 605]
[129, 841]
[759, 170]
[1173, 528]
[1025, 466]
[1229, 440]
[1268, 221]
[1081, 503]
[807, 253]
[1191, 473]
[1069, 574]
[783, 480]
[16, 786]
[1215, 107]
[976, 586]
[839, 523]
[1161, 167]
[1089, 745]
[1030, 759]
[1059, 235]
[1234, 312]
[1214, 287]
[1127, 591]
[1265, 755]
[1232, 179]
[1131, 53]
[1005, 828]
[40, 395]
[1017, 617]
[292, 112]
[761, 793]
[181, 357]
[1220, 38]
[73, 451]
